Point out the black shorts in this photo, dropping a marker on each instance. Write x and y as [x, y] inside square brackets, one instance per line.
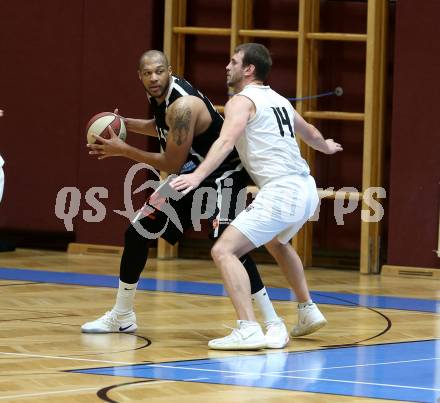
[218, 200]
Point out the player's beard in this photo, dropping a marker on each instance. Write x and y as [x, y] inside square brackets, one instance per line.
[162, 93]
[229, 81]
[233, 79]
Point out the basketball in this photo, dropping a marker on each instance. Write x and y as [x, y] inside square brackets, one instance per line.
[99, 124]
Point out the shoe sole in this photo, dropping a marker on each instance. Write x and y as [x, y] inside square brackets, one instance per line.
[258, 346]
[310, 329]
[278, 345]
[97, 331]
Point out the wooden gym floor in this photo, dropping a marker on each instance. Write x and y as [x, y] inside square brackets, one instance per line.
[381, 343]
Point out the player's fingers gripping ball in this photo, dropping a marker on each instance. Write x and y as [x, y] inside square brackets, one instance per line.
[99, 125]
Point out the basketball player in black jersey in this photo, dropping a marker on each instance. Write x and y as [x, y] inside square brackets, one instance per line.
[186, 124]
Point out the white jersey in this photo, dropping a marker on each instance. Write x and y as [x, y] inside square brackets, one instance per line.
[268, 149]
[1, 161]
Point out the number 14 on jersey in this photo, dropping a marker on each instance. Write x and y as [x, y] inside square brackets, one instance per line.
[283, 119]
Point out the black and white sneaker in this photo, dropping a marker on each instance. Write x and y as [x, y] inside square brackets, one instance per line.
[111, 322]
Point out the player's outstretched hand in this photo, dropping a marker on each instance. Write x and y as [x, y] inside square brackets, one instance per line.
[185, 183]
[332, 146]
[104, 148]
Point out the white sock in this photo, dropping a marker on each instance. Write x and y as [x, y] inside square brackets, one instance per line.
[302, 305]
[264, 305]
[125, 298]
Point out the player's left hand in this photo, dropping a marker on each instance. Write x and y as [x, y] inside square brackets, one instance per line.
[332, 147]
[186, 183]
[103, 148]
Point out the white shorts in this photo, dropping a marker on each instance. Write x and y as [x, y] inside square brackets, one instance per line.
[280, 209]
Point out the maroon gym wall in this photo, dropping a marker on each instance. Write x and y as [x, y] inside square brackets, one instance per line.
[112, 47]
[62, 62]
[415, 151]
[100, 57]
[40, 85]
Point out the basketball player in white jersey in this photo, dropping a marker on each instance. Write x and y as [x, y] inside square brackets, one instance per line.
[261, 124]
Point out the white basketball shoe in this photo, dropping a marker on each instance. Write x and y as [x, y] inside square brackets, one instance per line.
[310, 319]
[111, 322]
[247, 336]
[277, 335]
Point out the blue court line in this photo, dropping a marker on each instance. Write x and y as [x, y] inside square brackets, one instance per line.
[213, 289]
[408, 372]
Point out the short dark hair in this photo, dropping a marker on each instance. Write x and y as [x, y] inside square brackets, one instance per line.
[258, 55]
[154, 54]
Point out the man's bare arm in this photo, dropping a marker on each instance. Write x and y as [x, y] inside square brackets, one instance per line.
[313, 137]
[237, 113]
[141, 126]
[181, 118]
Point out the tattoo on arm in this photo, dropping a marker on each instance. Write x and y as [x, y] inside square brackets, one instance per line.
[180, 122]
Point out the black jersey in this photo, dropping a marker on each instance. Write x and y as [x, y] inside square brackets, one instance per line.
[202, 142]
